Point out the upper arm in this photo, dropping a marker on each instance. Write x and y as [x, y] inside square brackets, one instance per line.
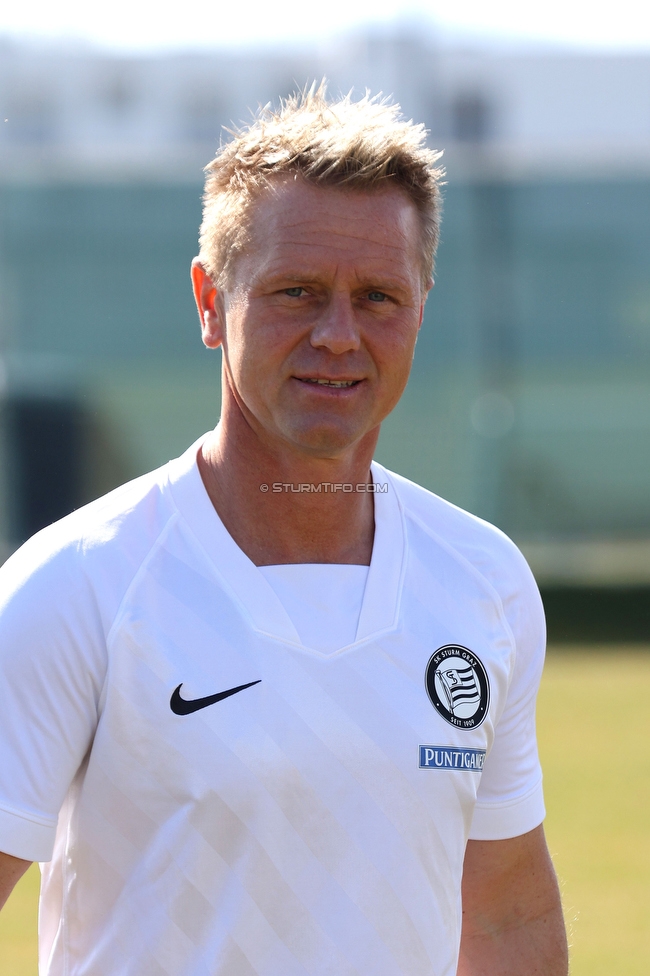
[512, 913]
[11, 871]
[506, 879]
[52, 666]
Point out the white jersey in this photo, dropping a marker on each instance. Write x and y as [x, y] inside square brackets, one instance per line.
[215, 798]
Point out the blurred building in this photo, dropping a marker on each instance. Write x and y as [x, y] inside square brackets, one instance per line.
[75, 112]
[529, 402]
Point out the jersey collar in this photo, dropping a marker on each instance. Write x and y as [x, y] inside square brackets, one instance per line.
[247, 585]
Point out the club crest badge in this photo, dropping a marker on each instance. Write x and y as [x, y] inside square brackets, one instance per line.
[458, 687]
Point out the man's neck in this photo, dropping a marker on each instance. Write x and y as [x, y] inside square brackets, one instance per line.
[264, 497]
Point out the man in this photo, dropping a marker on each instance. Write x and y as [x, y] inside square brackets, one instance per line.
[268, 706]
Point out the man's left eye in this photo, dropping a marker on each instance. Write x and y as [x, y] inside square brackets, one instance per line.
[376, 296]
[294, 292]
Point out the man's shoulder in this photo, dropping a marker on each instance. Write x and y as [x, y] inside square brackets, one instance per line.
[444, 518]
[135, 508]
[479, 543]
[99, 547]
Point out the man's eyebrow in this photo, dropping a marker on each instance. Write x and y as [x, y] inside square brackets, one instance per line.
[379, 282]
[383, 283]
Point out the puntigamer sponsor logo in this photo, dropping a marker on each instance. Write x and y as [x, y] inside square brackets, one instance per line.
[448, 757]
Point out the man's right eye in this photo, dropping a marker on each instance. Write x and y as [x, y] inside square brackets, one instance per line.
[293, 292]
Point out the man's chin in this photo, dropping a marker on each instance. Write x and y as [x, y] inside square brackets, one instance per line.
[326, 443]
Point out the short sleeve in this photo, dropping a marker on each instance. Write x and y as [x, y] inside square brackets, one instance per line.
[52, 667]
[510, 799]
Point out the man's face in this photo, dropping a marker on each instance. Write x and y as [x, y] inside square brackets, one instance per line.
[320, 319]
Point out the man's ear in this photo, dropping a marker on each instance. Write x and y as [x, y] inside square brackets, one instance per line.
[209, 305]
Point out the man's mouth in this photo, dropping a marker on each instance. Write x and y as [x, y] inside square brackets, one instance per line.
[337, 384]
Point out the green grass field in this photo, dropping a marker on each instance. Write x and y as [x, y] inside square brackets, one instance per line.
[594, 734]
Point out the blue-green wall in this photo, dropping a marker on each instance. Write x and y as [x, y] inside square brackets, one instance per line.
[542, 296]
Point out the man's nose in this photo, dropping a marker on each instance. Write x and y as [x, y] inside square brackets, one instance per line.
[337, 328]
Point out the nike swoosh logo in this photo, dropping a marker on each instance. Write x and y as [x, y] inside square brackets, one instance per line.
[180, 706]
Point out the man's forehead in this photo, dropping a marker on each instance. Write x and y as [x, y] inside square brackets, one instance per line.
[308, 225]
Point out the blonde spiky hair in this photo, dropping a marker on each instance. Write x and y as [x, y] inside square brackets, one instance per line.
[357, 145]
